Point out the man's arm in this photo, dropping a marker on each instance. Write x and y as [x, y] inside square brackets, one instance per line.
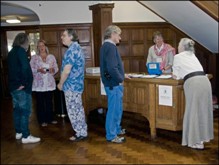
[64, 76]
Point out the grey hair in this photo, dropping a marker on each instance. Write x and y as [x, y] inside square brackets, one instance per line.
[44, 42]
[73, 33]
[111, 29]
[21, 39]
[187, 44]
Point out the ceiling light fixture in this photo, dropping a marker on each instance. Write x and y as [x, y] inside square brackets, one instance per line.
[13, 20]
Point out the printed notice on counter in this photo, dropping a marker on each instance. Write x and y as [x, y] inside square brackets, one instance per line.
[165, 95]
[102, 89]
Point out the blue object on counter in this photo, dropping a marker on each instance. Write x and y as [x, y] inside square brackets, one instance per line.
[154, 68]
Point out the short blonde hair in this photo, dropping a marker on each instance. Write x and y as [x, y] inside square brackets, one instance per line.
[111, 29]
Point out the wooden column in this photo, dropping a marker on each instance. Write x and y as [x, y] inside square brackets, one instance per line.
[102, 17]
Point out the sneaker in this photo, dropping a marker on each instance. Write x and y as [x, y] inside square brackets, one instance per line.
[54, 122]
[123, 132]
[77, 138]
[18, 136]
[117, 139]
[44, 124]
[30, 139]
[199, 146]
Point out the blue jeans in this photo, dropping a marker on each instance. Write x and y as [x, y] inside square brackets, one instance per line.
[22, 102]
[114, 112]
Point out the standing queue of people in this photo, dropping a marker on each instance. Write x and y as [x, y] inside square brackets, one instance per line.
[198, 116]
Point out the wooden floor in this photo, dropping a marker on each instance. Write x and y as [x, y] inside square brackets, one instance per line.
[55, 148]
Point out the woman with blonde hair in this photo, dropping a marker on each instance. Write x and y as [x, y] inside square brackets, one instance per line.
[44, 67]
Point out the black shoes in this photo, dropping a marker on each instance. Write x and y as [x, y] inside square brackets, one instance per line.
[77, 138]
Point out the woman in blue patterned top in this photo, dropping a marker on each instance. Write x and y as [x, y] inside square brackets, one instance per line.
[72, 83]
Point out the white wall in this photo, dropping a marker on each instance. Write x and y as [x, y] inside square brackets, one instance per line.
[64, 12]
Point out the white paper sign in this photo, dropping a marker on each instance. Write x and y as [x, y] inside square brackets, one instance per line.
[165, 95]
[102, 89]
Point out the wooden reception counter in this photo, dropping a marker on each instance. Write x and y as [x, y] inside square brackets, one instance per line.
[141, 95]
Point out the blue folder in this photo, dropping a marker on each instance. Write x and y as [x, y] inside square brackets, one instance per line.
[154, 68]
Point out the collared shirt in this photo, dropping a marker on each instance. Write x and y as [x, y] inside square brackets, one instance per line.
[159, 49]
[74, 56]
[110, 41]
[43, 82]
[184, 63]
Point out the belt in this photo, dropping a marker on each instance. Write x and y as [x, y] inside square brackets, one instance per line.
[198, 73]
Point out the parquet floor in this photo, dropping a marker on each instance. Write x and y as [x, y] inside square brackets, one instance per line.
[55, 148]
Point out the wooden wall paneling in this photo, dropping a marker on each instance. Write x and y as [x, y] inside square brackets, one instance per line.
[213, 62]
[137, 34]
[126, 64]
[51, 37]
[170, 116]
[55, 51]
[125, 36]
[138, 65]
[124, 49]
[102, 17]
[138, 49]
[52, 34]
[84, 35]
[210, 7]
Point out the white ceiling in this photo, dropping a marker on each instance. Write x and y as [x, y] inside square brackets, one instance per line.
[184, 15]
[27, 16]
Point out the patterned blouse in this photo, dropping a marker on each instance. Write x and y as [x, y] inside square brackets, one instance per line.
[43, 82]
[74, 56]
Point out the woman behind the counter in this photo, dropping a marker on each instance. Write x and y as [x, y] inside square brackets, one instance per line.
[161, 53]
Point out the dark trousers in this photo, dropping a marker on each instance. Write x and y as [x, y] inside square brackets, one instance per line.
[44, 106]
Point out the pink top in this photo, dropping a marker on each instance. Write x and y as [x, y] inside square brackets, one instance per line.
[43, 82]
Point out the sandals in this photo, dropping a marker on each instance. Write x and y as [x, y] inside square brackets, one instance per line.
[77, 138]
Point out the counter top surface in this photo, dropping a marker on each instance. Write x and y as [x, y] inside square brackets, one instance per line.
[136, 77]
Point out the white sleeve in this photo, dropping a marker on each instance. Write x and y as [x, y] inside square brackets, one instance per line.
[176, 67]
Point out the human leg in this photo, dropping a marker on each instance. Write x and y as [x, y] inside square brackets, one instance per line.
[119, 111]
[16, 111]
[22, 109]
[40, 107]
[49, 107]
[25, 105]
[113, 116]
[76, 113]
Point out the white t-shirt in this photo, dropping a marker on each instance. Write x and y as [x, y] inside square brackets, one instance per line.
[184, 63]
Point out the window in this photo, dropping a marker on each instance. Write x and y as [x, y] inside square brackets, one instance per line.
[34, 37]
